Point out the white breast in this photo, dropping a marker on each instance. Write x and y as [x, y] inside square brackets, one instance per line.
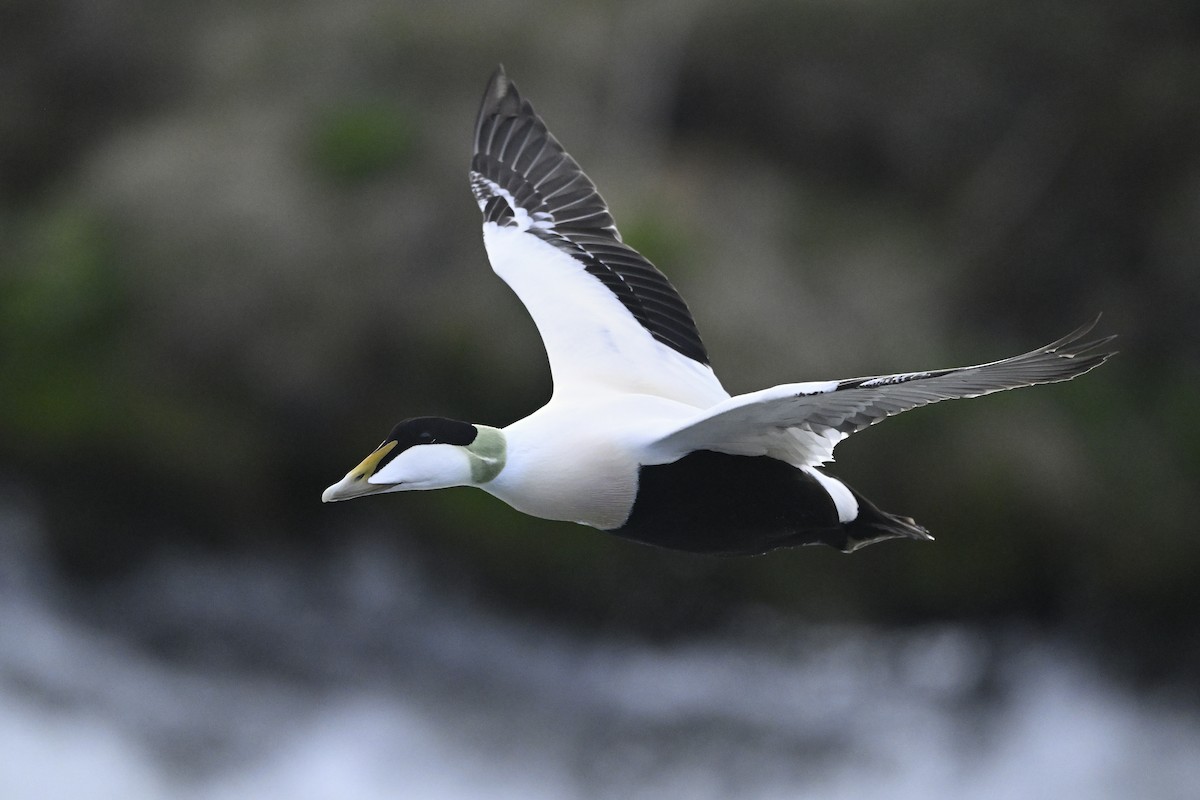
[579, 462]
[591, 485]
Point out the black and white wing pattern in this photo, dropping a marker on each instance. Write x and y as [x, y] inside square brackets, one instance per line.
[607, 317]
[802, 422]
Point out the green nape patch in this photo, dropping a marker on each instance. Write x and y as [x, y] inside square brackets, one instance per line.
[355, 143]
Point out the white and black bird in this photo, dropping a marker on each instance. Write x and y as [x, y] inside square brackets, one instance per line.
[639, 438]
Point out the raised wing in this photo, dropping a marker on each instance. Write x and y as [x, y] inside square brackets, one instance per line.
[801, 423]
[607, 317]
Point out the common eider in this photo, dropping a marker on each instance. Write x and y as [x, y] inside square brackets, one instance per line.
[639, 438]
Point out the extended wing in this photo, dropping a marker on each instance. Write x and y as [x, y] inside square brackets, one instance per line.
[801, 423]
[607, 317]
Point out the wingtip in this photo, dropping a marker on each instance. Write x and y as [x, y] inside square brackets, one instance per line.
[499, 87]
[1078, 333]
[498, 81]
[499, 92]
[1071, 346]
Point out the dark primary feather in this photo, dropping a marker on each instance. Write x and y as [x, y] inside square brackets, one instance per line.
[515, 152]
[857, 403]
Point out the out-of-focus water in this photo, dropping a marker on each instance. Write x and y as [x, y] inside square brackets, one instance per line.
[361, 677]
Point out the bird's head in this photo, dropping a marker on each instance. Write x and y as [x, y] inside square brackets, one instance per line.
[425, 453]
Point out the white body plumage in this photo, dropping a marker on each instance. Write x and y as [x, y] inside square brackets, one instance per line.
[639, 437]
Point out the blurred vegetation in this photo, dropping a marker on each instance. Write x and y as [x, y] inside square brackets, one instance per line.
[356, 143]
[60, 306]
[236, 245]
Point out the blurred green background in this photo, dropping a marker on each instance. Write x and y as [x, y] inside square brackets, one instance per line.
[237, 245]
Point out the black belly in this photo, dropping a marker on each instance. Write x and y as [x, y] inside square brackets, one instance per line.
[709, 502]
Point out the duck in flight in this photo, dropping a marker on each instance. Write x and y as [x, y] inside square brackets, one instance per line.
[639, 438]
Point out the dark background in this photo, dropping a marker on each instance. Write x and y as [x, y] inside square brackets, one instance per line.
[237, 245]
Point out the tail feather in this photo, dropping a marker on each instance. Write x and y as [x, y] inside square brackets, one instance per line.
[873, 525]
